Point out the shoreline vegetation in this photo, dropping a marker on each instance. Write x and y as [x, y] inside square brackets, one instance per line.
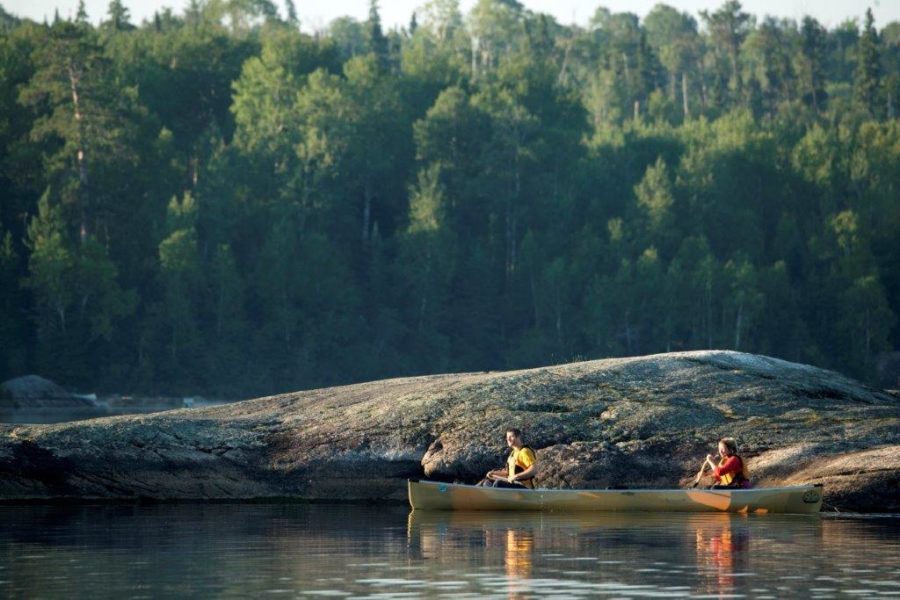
[33, 399]
[215, 201]
[643, 422]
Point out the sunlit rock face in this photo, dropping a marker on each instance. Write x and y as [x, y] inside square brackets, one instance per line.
[634, 422]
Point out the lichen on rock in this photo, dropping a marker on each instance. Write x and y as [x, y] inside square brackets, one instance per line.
[629, 422]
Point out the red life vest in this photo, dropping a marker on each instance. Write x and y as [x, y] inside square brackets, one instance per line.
[738, 479]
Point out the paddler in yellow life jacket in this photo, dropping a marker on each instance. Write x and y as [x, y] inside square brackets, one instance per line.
[521, 466]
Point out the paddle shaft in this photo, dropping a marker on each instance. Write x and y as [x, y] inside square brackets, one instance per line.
[702, 471]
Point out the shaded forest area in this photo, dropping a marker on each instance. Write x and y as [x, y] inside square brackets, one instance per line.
[216, 202]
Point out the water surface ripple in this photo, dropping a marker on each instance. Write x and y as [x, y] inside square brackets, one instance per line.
[350, 551]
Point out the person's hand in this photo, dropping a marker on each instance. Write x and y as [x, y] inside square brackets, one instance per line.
[511, 479]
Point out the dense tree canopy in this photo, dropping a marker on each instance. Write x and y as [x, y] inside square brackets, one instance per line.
[217, 202]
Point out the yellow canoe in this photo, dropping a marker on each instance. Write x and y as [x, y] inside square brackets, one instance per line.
[432, 495]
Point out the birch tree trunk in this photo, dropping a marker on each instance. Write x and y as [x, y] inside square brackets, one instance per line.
[74, 81]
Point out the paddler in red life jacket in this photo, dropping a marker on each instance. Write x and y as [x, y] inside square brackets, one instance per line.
[731, 470]
[521, 466]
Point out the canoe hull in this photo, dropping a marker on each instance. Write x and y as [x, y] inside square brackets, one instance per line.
[429, 495]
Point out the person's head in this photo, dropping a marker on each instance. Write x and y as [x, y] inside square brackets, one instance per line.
[727, 447]
[513, 437]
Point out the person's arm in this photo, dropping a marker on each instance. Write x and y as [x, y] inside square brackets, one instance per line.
[731, 465]
[528, 473]
[497, 474]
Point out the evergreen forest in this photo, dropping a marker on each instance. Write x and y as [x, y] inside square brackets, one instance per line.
[219, 202]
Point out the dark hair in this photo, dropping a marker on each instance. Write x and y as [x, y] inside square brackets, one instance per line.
[515, 431]
[731, 444]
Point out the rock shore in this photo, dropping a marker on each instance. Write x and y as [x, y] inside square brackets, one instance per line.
[33, 392]
[636, 422]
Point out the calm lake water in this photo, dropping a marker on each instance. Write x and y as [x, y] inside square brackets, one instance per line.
[290, 550]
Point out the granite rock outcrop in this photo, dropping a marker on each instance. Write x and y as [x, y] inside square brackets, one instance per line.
[635, 422]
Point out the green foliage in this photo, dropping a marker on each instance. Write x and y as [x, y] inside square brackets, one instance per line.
[729, 27]
[118, 17]
[216, 202]
[655, 197]
[377, 42]
[13, 355]
[811, 62]
[77, 299]
[867, 78]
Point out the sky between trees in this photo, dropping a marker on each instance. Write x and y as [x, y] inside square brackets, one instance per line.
[396, 13]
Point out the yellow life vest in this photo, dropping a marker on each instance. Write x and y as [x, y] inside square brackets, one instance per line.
[518, 461]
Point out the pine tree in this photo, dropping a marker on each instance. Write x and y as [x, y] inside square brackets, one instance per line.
[812, 52]
[81, 16]
[378, 43]
[728, 28]
[292, 12]
[867, 78]
[118, 16]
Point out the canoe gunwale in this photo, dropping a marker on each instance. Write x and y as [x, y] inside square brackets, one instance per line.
[436, 495]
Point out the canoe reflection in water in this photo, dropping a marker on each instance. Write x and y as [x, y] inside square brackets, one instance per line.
[625, 554]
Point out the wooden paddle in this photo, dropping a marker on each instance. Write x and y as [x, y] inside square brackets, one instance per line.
[706, 462]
